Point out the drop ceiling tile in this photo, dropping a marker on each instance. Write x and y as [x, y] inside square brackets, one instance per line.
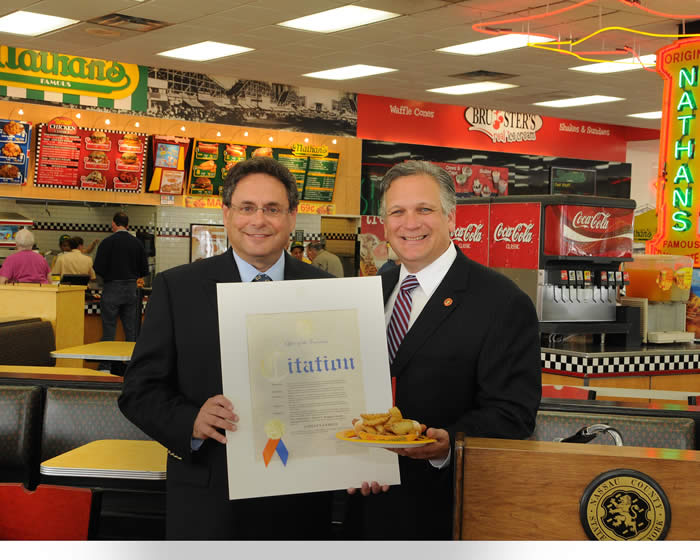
[80, 9]
[175, 11]
[402, 6]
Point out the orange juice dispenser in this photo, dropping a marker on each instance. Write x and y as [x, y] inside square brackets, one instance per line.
[660, 286]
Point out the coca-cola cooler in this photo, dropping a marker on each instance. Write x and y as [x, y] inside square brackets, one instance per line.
[564, 251]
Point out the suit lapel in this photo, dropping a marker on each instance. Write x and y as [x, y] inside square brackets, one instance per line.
[449, 295]
[223, 269]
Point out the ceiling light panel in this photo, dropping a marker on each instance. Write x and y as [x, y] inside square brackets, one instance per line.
[477, 87]
[578, 101]
[622, 65]
[207, 50]
[32, 24]
[350, 72]
[496, 44]
[650, 115]
[338, 19]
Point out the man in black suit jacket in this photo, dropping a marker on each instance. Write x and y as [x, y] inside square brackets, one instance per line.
[173, 386]
[469, 362]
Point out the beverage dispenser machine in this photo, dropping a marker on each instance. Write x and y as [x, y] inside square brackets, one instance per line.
[564, 251]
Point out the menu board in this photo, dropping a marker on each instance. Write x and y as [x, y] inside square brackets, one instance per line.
[477, 180]
[315, 173]
[573, 181]
[15, 141]
[167, 163]
[72, 157]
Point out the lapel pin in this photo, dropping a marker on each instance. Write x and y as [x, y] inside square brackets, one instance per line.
[447, 302]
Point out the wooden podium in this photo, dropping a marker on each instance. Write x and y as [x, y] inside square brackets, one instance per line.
[532, 490]
[63, 306]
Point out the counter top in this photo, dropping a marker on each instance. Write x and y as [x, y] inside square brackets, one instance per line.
[581, 360]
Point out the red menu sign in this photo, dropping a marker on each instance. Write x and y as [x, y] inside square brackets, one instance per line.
[74, 157]
[588, 231]
[514, 231]
[472, 231]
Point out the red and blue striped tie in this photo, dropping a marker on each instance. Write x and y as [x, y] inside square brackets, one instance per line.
[400, 316]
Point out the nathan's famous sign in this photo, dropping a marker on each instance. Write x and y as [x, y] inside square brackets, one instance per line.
[677, 202]
[48, 71]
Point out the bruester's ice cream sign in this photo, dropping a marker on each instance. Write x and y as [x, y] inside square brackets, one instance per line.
[677, 204]
[503, 126]
[48, 71]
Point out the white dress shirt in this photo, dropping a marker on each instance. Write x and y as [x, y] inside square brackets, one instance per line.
[429, 279]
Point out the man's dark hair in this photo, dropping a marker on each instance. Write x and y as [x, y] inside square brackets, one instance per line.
[265, 165]
[315, 245]
[75, 242]
[121, 219]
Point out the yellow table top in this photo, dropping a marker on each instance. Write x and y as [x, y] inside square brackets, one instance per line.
[111, 458]
[117, 351]
[54, 371]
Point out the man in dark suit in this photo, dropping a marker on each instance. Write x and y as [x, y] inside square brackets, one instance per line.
[173, 386]
[469, 360]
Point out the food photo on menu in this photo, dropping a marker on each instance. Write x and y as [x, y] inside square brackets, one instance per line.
[477, 180]
[15, 142]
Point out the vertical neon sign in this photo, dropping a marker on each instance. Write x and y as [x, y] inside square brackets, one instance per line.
[677, 199]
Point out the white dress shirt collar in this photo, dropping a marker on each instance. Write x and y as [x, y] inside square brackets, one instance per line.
[248, 271]
[430, 277]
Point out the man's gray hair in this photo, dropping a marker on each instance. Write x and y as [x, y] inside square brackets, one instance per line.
[24, 239]
[448, 198]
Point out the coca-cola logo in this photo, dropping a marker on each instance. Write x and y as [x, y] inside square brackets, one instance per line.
[599, 220]
[520, 233]
[471, 233]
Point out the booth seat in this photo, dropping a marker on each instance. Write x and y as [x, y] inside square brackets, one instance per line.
[74, 417]
[20, 427]
[636, 431]
[27, 343]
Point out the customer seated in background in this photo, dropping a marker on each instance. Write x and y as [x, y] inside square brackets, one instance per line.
[74, 261]
[25, 265]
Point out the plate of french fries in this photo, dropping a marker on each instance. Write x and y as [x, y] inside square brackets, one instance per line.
[385, 429]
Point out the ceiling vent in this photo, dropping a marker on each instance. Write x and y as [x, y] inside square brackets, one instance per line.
[483, 75]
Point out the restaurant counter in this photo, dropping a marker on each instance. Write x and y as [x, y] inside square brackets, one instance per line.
[93, 320]
[669, 367]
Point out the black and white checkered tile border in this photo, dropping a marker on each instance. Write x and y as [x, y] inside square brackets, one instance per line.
[166, 231]
[588, 366]
[94, 228]
[93, 308]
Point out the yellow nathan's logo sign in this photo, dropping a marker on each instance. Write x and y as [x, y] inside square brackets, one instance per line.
[33, 69]
[304, 150]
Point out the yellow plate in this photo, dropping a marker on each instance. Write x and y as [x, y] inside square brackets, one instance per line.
[386, 444]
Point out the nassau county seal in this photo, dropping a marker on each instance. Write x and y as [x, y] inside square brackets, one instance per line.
[625, 505]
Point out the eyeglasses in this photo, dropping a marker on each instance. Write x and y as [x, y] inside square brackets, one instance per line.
[248, 210]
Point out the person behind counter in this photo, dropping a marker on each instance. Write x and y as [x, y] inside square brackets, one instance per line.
[121, 262]
[325, 260]
[297, 251]
[74, 261]
[25, 265]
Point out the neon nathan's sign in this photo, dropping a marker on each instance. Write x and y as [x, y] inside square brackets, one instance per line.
[503, 126]
[44, 70]
[677, 202]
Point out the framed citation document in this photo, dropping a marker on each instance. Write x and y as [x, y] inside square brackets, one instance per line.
[300, 359]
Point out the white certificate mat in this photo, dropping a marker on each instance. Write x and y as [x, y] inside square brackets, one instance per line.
[300, 359]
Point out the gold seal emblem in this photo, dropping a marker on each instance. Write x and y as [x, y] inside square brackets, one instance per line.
[625, 505]
[274, 429]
